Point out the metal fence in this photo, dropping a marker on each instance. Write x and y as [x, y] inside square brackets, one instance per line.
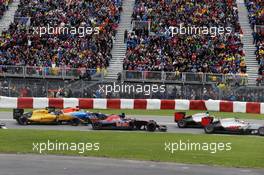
[259, 29]
[20, 87]
[145, 25]
[48, 72]
[184, 77]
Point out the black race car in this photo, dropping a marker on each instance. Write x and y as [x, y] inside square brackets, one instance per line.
[119, 122]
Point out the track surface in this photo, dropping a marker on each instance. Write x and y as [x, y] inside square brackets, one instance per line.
[11, 164]
[67, 165]
[6, 117]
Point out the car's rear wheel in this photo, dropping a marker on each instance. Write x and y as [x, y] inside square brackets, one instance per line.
[23, 120]
[131, 125]
[138, 126]
[209, 129]
[75, 122]
[151, 126]
[182, 124]
[97, 126]
[261, 131]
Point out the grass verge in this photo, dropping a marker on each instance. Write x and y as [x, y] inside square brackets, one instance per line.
[247, 151]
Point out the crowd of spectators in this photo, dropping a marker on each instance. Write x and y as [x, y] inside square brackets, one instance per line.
[159, 51]
[22, 45]
[256, 18]
[4, 6]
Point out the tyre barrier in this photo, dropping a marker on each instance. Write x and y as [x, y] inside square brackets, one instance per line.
[147, 104]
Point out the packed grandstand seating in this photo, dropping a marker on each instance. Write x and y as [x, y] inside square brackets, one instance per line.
[156, 51]
[4, 6]
[256, 18]
[23, 45]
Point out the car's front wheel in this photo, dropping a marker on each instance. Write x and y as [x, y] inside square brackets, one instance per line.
[261, 131]
[97, 126]
[209, 129]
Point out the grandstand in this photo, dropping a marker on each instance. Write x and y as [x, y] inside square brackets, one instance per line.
[256, 19]
[134, 41]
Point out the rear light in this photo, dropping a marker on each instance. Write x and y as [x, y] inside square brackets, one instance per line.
[206, 121]
[179, 116]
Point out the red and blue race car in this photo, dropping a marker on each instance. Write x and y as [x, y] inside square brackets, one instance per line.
[120, 122]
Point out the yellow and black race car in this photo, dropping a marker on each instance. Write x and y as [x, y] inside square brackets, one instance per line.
[47, 116]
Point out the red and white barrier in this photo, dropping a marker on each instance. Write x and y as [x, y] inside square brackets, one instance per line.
[148, 104]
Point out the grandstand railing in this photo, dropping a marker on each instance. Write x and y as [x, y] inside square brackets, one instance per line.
[47, 72]
[181, 77]
[259, 28]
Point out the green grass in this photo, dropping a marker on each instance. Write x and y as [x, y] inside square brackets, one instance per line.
[247, 151]
[167, 113]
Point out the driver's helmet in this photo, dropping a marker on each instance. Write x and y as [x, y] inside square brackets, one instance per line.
[123, 115]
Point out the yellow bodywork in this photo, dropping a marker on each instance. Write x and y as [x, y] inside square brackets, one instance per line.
[43, 116]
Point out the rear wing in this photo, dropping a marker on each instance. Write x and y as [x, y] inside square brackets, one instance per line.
[17, 113]
[207, 121]
[179, 116]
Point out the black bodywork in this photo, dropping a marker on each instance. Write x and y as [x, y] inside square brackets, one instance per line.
[120, 123]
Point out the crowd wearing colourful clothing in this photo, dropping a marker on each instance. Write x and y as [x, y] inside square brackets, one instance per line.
[4, 6]
[155, 50]
[22, 46]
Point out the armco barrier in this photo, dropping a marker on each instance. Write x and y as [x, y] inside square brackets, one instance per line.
[89, 103]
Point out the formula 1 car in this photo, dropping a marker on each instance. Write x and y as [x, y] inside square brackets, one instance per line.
[50, 115]
[119, 122]
[232, 126]
[2, 126]
[194, 121]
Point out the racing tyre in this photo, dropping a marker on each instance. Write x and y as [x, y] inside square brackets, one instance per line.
[97, 126]
[23, 120]
[75, 122]
[261, 131]
[151, 126]
[131, 125]
[209, 129]
[138, 126]
[182, 124]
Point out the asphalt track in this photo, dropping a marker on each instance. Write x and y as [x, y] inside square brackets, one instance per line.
[66, 165]
[15, 164]
[6, 117]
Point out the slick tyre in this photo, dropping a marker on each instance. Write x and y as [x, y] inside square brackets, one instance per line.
[23, 120]
[182, 124]
[209, 129]
[151, 126]
[97, 126]
[261, 131]
[75, 122]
